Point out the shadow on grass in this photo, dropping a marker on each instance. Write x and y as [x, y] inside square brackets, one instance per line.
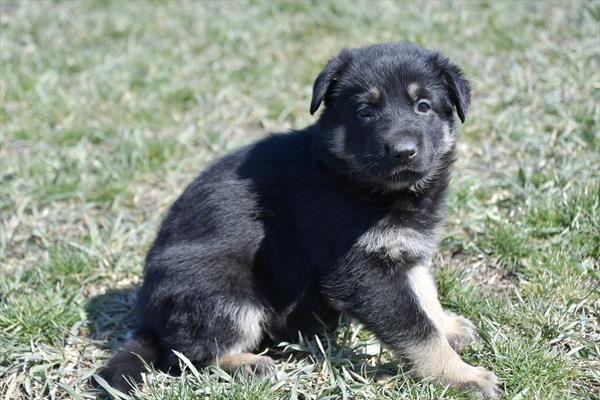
[112, 316]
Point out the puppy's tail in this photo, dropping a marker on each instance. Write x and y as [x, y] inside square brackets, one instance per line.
[126, 364]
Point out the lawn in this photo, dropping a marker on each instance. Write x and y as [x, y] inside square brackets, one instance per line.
[108, 109]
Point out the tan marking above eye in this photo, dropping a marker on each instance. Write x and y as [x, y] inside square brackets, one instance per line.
[413, 90]
[375, 94]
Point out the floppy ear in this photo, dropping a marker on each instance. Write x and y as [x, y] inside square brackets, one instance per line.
[460, 91]
[458, 87]
[324, 82]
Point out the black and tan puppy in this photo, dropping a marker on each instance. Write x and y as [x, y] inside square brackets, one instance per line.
[343, 216]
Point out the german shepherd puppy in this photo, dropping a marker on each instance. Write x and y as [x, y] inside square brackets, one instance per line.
[341, 217]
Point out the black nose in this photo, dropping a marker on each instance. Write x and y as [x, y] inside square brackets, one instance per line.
[402, 152]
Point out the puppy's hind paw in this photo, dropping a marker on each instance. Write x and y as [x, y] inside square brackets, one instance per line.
[261, 366]
[249, 365]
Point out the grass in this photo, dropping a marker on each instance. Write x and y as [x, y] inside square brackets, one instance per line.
[108, 109]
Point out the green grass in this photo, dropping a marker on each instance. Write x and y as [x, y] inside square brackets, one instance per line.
[108, 109]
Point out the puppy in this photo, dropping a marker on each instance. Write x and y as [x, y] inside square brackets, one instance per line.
[343, 216]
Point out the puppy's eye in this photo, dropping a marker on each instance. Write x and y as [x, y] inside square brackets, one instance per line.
[365, 111]
[423, 106]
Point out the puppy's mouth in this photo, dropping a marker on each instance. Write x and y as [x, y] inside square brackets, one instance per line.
[406, 175]
[386, 174]
[397, 176]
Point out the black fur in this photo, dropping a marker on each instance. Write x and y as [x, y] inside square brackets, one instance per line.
[280, 226]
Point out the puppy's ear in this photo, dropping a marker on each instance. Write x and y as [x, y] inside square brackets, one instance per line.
[325, 81]
[460, 91]
[458, 87]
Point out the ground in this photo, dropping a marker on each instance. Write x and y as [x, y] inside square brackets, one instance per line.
[108, 109]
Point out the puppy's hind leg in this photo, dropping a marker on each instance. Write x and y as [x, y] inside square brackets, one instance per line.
[248, 322]
[249, 364]
[224, 335]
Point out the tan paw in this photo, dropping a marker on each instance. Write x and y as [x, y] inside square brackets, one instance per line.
[483, 383]
[459, 331]
[249, 364]
[261, 366]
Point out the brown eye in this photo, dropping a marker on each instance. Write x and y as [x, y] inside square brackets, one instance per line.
[365, 111]
[423, 106]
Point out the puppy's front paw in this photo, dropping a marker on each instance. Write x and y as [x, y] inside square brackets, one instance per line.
[483, 383]
[459, 331]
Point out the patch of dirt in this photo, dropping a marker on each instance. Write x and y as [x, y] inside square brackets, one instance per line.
[479, 270]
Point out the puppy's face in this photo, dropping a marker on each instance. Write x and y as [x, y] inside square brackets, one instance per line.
[389, 111]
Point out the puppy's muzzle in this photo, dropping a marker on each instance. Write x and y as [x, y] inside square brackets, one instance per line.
[403, 150]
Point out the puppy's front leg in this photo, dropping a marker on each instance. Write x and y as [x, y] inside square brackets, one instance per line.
[459, 331]
[401, 309]
[435, 355]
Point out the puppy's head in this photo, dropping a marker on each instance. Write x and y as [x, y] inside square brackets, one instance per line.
[389, 112]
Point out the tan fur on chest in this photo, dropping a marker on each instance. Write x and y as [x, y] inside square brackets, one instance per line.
[396, 242]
